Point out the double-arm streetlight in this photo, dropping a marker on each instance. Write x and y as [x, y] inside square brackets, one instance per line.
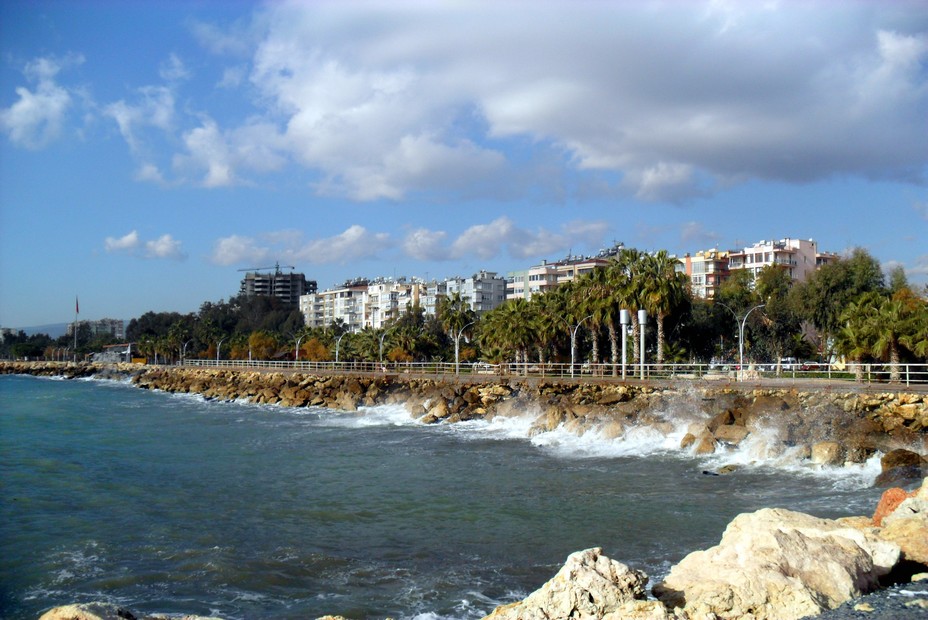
[338, 342]
[297, 353]
[573, 341]
[457, 346]
[743, 322]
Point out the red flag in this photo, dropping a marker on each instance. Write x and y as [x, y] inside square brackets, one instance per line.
[77, 306]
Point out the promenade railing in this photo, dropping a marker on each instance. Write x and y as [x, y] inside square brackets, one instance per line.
[908, 374]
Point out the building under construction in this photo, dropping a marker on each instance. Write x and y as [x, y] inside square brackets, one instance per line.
[272, 282]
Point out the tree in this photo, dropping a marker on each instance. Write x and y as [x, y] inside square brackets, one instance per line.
[822, 298]
[780, 323]
[662, 291]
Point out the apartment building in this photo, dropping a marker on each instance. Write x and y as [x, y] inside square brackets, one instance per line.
[346, 303]
[706, 270]
[799, 257]
[110, 327]
[546, 276]
[287, 287]
[484, 291]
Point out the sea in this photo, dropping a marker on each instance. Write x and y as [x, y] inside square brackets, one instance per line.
[173, 504]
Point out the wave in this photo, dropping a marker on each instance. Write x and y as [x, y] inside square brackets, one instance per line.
[763, 448]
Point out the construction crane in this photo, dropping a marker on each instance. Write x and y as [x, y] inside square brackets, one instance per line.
[276, 268]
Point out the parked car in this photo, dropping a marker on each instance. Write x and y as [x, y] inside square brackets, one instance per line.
[483, 368]
[810, 365]
[789, 363]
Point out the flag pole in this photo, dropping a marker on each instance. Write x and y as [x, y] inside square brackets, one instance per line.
[77, 311]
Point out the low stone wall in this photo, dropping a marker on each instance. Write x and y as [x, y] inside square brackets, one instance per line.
[833, 426]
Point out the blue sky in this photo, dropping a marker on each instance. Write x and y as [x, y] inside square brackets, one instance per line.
[150, 150]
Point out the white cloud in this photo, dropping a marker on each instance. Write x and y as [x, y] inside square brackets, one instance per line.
[125, 243]
[236, 249]
[355, 243]
[154, 108]
[679, 100]
[173, 69]
[426, 245]
[487, 241]
[38, 117]
[164, 246]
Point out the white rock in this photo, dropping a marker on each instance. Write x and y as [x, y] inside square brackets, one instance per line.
[778, 564]
[589, 586]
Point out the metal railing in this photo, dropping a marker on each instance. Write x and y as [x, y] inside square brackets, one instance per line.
[908, 374]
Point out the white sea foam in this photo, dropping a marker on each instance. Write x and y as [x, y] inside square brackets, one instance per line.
[381, 415]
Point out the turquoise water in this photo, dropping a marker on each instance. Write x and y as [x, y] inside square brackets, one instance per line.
[172, 504]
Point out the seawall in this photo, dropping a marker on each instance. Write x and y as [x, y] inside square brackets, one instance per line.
[855, 421]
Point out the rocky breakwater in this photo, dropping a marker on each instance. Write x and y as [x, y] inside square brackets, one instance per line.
[69, 370]
[824, 428]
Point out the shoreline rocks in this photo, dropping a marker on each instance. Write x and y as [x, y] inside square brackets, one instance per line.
[827, 427]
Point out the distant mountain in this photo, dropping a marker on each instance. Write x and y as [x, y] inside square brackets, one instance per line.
[55, 330]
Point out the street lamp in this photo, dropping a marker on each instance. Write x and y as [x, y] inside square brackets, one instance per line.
[297, 354]
[337, 342]
[573, 342]
[625, 319]
[744, 321]
[642, 319]
[218, 348]
[183, 353]
[457, 346]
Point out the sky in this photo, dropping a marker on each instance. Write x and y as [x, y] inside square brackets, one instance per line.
[151, 150]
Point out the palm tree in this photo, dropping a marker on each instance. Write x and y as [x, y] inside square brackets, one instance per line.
[889, 325]
[663, 289]
[628, 278]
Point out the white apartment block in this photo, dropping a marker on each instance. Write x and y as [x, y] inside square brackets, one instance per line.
[484, 291]
[799, 257]
[347, 303]
[546, 276]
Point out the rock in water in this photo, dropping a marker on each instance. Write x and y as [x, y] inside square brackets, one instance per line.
[88, 611]
[589, 586]
[778, 564]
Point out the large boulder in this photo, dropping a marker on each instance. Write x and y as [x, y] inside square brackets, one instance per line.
[589, 586]
[907, 525]
[106, 611]
[775, 563]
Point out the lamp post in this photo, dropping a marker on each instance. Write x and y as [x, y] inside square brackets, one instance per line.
[219, 348]
[741, 326]
[573, 342]
[297, 353]
[642, 319]
[338, 342]
[457, 347]
[183, 353]
[625, 319]
[382, 336]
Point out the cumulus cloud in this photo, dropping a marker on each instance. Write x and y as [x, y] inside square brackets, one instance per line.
[127, 242]
[164, 246]
[215, 158]
[152, 108]
[426, 245]
[355, 243]
[680, 100]
[37, 118]
[487, 241]
[237, 249]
